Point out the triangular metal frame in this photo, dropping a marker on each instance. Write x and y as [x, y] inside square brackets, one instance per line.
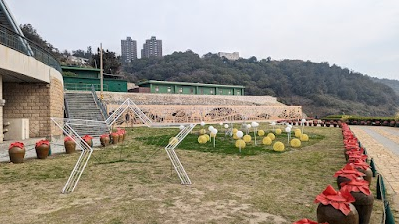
[84, 157]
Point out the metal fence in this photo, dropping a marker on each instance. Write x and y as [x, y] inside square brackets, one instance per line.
[23, 45]
[84, 87]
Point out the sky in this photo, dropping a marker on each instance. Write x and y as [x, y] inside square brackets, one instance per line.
[361, 35]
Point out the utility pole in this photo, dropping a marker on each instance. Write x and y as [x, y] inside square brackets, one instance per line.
[101, 70]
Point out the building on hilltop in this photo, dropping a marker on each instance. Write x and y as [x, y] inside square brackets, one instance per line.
[165, 87]
[230, 56]
[128, 50]
[152, 48]
[78, 78]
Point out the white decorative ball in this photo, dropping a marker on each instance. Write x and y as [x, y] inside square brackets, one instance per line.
[239, 134]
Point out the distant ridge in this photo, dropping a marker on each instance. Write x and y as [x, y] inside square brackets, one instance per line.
[321, 88]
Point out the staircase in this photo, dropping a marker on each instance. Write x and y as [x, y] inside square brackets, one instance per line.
[86, 115]
[170, 150]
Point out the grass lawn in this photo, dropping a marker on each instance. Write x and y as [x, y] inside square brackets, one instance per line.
[134, 182]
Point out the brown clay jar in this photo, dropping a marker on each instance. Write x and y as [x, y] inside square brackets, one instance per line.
[364, 206]
[17, 154]
[327, 213]
[89, 142]
[341, 179]
[70, 146]
[105, 140]
[115, 138]
[368, 172]
[120, 137]
[42, 151]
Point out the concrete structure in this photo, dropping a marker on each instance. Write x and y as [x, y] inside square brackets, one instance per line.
[191, 88]
[178, 108]
[31, 85]
[152, 48]
[230, 56]
[128, 50]
[182, 99]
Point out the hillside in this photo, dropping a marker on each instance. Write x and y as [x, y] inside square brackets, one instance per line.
[394, 84]
[320, 88]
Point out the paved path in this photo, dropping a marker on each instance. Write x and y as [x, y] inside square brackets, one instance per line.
[382, 144]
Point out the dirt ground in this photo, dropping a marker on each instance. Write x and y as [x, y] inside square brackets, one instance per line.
[135, 183]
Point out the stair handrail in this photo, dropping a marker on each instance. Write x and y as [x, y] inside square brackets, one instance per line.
[66, 106]
[99, 103]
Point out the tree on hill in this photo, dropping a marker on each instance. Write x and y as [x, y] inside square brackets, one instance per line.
[30, 33]
[321, 88]
[111, 63]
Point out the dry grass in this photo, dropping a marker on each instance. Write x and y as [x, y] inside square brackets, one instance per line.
[134, 183]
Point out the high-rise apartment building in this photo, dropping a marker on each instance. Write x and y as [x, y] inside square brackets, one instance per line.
[152, 48]
[128, 50]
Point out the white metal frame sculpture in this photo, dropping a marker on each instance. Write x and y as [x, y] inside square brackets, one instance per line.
[84, 157]
[65, 126]
[170, 150]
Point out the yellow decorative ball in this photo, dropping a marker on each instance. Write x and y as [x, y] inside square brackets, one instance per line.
[278, 147]
[298, 133]
[173, 141]
[234, 130]
[271, 136]
[240, 143]
[267, 141]
[207, 137]
[295, 143]
[247, 138]
[202, 139]
[261, 132]
[304, 137]
[235, 136]
[202, 132]
[278, 131]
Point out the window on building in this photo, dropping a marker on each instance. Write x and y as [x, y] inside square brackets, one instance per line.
[238, 92]
[156, 89]
[220, 92]
[181, 90]
[211, 91]
[169, 89]
[202, 91]
[229, 92]
[191, 90]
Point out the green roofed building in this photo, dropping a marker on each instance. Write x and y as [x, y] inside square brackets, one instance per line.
[165, 87]
[78, 78]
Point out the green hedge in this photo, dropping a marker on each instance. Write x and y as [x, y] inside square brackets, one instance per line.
[357, 118]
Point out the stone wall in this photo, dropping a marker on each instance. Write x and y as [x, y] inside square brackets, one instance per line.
[180, 99]
[37, 102]
[1, 109]
[56, 103]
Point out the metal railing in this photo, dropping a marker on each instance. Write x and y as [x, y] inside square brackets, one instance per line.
[84, 87]
[25, 46]
[66, 106]
[99, 102]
